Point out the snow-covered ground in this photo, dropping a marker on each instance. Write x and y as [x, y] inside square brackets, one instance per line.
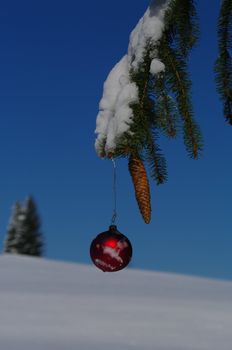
[47, 305]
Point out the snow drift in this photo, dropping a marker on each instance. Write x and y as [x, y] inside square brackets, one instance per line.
[60, 306]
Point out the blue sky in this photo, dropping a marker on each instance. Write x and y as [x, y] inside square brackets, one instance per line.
[55, 56]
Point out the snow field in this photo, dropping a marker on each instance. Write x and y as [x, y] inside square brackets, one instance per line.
[60, 306]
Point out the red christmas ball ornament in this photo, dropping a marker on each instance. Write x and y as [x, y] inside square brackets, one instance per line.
[111, 251]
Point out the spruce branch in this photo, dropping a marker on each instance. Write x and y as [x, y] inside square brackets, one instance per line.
[182, 27]
[146, 109]
[166, 115]
[179, 83]
[155, 158]
[163, 98]
[223, 65]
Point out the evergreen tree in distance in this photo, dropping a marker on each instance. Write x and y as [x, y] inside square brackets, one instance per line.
[23, 234]
[9, 246]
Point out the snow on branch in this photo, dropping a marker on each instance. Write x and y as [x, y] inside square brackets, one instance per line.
[115, 114]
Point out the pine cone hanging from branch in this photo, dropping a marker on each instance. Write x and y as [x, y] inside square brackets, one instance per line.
[141, 186]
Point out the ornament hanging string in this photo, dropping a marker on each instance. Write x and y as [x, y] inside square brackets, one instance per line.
[114, 216]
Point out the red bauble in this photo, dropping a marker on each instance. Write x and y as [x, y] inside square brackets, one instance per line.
[111, 251]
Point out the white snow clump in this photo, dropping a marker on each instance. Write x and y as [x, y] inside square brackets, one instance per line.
[115, 114]
[156, 66]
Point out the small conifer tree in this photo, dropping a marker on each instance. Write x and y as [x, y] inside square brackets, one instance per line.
[9, 244]
[23, 234]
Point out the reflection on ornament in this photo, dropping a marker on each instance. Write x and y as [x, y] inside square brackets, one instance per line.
[111, 251]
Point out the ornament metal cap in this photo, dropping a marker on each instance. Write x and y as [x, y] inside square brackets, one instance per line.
[113, 228]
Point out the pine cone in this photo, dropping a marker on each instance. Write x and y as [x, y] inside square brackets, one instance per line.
[141, 185]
